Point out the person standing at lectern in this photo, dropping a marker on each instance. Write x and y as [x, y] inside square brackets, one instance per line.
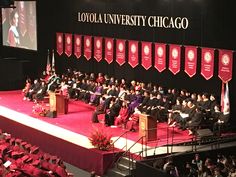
[13, 34]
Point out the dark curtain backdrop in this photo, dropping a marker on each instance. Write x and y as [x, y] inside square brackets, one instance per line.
[210, 25]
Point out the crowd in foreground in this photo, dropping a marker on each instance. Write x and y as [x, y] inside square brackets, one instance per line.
[122, 101]
[19, 158]
[219, 166]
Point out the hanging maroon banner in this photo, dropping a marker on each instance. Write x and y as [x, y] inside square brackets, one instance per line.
[225, 65]
[146, 55]
[174, 58]
[68, 44]
[190, 60]
[77, 45]
[88, 47]
[60, 45]
[109, 50]
[98, 48]
[120, 51]
[133, 53]
[207, 65]
[160, 57]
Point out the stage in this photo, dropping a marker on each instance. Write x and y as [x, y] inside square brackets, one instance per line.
[67, 135]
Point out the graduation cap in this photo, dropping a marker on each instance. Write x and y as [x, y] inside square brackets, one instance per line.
[18, 141]
[17, 153]
[46, 157]
[36, 162]
[25, 158]
[34, 150]
[28, 146]
[23, 143]
[12, 141]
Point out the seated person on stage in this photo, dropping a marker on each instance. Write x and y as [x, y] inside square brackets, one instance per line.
[136, 99]
[100, 109]
[175, 111]
[187, 115]
[150, 104]
[162, 112]
[146, 97]
[27, 86]
[63, 89]
[100, 79]
[133, 121]
[33, 90]
[121, 119]
[94, 97]
[113, 111]
[41, 92]
[222, 120]
[111, 93]
[81, 90]
[215, 114]
[179, 113]
[195, 120]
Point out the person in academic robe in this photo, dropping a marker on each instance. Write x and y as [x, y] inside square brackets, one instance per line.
[195, 121]
[41, 92]
[133, 121]
[146, 97]
[100, 109]
[121, 119]
[222, 121]
[113, 111]
[27, 86]
[33, 90]
[94, 97]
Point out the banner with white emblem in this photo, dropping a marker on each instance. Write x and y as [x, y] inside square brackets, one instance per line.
[225, 65]
[146, 55]
[109, 50]
[77, 45]
[174, 58]
[190, 60]
[88, 47]
[60, 46]
[160, 57]
[68, 44]
[98, 48]
[133, 53]
[207, 65]
[120, 51]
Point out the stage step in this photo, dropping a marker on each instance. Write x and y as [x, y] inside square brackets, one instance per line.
[123, 168]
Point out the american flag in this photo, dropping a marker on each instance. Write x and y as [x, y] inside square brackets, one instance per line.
[225, 96]
[48, 67]
[53, 61]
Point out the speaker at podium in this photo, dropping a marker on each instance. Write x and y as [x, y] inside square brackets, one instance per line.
[147, 127]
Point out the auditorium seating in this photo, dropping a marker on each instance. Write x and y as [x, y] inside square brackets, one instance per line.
[18, 157]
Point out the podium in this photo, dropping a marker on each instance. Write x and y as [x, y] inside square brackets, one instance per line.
[147, 127]
[58, 103]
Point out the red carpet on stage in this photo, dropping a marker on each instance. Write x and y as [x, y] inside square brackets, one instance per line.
[78, 119]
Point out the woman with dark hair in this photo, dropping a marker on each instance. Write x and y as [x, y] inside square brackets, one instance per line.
[13, 34]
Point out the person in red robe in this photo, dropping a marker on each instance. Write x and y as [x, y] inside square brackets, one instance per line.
[132, 124]
[121, 119]
[13, 34]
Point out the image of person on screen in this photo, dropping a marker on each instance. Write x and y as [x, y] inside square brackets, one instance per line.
[13, 34]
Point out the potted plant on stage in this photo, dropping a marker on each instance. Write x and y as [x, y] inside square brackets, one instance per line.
[100, 139]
